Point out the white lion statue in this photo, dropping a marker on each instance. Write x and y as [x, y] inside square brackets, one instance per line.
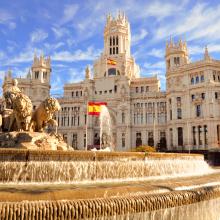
[22, 110]
[43, 115]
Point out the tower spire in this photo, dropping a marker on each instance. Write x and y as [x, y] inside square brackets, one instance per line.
[206, 54]
[87, 73]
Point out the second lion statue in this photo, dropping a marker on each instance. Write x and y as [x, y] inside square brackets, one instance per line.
[43, 115]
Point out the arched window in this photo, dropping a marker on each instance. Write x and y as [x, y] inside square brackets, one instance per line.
[112, 72]
[202, 78]
[192, 80]
[197, 79]
[117, 40]
[110, 41]
[113, 41]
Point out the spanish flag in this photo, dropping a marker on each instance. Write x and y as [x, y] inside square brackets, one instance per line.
[94, 108]
[111, 62]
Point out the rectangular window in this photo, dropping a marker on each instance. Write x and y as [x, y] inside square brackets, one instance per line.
[194, 135]
[122, 117]
[180, 136]
[171, 137]
[123, 139]
[203, 95]
[116, 50]
[199, 134]
[37, 75]
[136, 89]
[74, 141]
[142, 89]
[168, 64]
[85, 118]
[115, 88]
[205, 134]
[178, 99]
[198, 110]
[179, 113]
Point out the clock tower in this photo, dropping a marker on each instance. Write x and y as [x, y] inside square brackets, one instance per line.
[117, 35]
[117, 44]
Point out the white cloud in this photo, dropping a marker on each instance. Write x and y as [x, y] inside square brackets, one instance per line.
[60, 31]
[53, 46]
[157, 65]
[2, 55]
[158, 9]
[5, 17]
[139, 36]
[159, 53]
[68, 13]
[38, 35]
[78, 55]
[197, 49]
[201, 22]
[75, 75]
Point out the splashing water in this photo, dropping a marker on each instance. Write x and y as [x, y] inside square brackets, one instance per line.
[99, 171]
[105, 128]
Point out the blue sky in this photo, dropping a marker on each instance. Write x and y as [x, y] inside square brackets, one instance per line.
[71, 32]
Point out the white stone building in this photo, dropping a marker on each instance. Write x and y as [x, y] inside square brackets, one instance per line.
[186, 116]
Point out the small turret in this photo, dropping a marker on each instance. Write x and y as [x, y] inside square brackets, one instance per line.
[41, 68]
[8, 75]
[87, 73]
[29, 74]
[176, 54]
[206, 54]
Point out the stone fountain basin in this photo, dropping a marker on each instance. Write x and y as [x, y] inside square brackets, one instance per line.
[103, 199]
[10, 154]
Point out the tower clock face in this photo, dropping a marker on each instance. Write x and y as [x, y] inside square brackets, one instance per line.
[113, 29]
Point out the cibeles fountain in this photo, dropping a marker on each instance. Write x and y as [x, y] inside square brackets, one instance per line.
[41, 178]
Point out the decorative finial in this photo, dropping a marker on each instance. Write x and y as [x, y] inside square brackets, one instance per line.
[206, 54]
[87, 73]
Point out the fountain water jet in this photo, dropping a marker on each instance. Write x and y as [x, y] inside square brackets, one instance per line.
[106, 137]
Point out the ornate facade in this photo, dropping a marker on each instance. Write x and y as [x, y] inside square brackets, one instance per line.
[186, 116]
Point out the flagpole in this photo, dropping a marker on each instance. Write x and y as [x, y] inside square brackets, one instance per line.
[87, 118]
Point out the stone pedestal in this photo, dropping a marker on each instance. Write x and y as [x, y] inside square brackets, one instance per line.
[32, 141]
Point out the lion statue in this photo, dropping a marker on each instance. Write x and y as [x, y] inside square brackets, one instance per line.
[43, 115]
[22, 110]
